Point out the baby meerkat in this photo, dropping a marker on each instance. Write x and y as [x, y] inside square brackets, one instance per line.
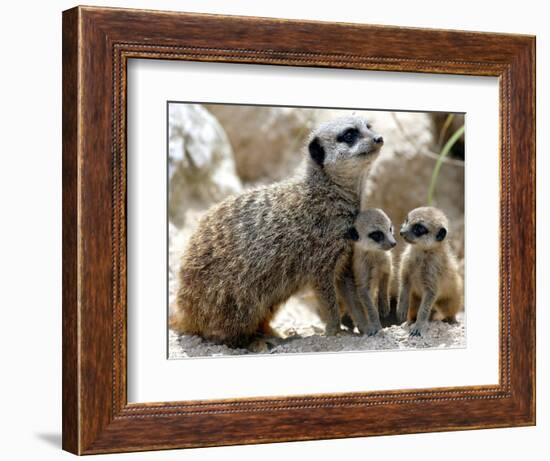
[367, 279]
[429, 281]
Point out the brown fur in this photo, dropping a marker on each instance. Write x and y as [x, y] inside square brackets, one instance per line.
[371, 265]
[250, 253]
[429, 280]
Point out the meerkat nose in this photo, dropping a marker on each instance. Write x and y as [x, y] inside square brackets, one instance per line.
[378, 140]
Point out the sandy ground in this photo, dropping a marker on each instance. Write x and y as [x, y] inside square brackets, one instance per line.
[395, 337]
[302, 330]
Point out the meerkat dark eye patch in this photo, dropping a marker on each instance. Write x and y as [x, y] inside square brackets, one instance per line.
[352, 234]
[377, 236]
[441, 234]
[316, 151]
[349, 136]
[419, 230]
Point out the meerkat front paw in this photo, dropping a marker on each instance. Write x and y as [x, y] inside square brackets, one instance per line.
[417, 329]
[373, 328]
[263, 344]
[384, 308]
[258, 346]
[332, 330]
[401, 314]
[450, 320]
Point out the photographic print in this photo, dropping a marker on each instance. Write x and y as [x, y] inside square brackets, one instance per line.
[267, 204]
[311, 230]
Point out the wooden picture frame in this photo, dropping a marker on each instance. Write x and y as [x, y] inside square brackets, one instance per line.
[97, 43]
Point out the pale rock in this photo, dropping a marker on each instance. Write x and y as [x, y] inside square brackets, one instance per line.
[268, 142]
[201, 167]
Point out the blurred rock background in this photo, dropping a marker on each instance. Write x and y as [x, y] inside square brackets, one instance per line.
[217, 150]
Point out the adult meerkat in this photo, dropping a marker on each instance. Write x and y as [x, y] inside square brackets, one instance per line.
[368, 276]
[429, 280]
[251, 252]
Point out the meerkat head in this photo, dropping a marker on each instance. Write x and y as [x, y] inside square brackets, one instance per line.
[372, 230]
[344, 148]
[425, 226]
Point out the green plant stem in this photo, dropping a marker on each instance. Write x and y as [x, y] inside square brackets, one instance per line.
[444, 152]
[444, 128]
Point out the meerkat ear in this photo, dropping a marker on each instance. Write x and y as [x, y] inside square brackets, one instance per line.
[441, 234]
[352, 234]
[316, 151]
